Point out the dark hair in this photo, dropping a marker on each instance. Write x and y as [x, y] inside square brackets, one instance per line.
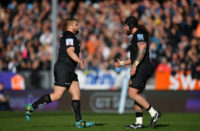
[67, 22]
[142, 27]
[131, 21]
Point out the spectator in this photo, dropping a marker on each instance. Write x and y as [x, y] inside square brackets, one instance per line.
[195, 68]
[26, 31]
[164, 65]
[4, 101]
[46, 37]
[154, 55]
[175, 64]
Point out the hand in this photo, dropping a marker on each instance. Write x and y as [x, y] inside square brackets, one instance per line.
[117, 63]
[82, 64]
[133, 70]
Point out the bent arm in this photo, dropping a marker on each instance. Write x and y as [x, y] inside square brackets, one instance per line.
[127, 62]
[72, 54]
[119, 63]
[141, 52]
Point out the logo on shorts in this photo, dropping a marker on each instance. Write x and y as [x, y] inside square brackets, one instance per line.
[67, 83]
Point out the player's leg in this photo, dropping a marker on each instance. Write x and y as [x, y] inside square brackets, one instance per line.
[74, 91]
[48, 98]
[139, 114]
[56, 95]
[139, 117]
[154, 118]
[135, 94]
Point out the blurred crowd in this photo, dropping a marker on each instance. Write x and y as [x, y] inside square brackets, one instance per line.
[173, 25]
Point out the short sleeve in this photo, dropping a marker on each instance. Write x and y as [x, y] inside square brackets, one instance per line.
[141, 37]
[69, 42]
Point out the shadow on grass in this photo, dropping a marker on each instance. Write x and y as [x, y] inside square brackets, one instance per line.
[99, 124]
[96, 124]
[161, 125]
[13, 114]
[44, 126]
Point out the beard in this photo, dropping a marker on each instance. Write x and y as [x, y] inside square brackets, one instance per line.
[128, 32]
[76, 31]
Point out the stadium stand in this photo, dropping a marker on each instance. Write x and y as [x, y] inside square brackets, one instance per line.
[26, 38]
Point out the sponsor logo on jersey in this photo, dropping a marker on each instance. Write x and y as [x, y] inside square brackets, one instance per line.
[69, 42]
[140, 37]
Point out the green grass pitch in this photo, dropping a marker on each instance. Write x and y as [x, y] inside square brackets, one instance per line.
[64, 121]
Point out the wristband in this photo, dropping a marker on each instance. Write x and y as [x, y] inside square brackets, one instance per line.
[136, 63]
[121, 63]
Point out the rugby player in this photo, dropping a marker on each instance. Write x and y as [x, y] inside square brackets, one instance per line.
[64, 73]
[141, 70]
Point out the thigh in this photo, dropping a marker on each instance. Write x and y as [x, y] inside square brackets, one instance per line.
[139, 81]
[59, 90]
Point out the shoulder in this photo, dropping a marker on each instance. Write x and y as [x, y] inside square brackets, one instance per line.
[141, 34]
[69, 39]
[142, 30]
[68, 34]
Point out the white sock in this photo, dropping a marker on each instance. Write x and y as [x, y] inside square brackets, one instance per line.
[152, 112]
[138, 120]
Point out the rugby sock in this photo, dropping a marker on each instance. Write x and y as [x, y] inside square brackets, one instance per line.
[151, 111]
[139, 119]
[43, 100]
[76, 107]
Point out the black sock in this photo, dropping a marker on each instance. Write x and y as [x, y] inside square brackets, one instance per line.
[139, 114]
[43, 100]
[148, 108]
[76, 106]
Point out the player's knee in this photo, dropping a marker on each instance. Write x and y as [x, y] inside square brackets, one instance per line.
[56, 96]
[76, 97]
[131, 94]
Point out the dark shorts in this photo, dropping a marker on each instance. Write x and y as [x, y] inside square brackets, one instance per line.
[64, 76]
[139, 80]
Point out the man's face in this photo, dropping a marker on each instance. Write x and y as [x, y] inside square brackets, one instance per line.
[75, 27]
[127, 30]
